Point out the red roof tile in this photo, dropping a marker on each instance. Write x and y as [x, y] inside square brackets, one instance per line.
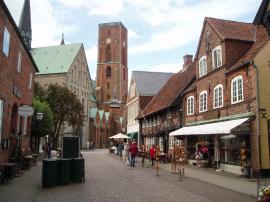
[227, 29]
[170, 91]
[260, 40]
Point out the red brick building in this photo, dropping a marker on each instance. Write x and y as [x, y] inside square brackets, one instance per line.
[221, 107]
[163, 113]
[112, 78]
[17, 70]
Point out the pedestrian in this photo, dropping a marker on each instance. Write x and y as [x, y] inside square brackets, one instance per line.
[133, 151]
[143, 154]
[152, 154]
[125, 155]
[87, 145]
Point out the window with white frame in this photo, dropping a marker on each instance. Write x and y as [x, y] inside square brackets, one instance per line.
[161, 144]
[158, 120]
[217, 57]
[6, 42]
[1, 116]
[203, 101]
[237, 94]
[30, 81]
[154, 122]
[171, 139]
[190, 105]
[218, 96]
[19, 64]
[202, 66]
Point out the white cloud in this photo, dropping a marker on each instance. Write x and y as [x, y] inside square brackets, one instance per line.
[132, 34]
[91, 55]
[46, 29]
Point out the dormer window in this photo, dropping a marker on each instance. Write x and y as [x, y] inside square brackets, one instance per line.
[217, 57]
[202, 66]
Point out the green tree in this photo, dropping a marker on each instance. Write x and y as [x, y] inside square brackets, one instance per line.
[65, 107]
[40, 128]
[39, 92]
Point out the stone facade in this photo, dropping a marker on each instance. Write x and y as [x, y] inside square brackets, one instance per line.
[78, 81]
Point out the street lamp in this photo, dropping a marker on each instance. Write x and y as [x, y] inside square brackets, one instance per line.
[39, 116]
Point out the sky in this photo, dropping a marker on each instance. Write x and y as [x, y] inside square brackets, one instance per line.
[160, 32]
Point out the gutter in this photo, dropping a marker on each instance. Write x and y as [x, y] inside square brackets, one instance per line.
[258, 111]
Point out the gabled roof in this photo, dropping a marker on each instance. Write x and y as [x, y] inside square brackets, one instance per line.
[228, 29]
[170, 91]
[149, 83]
[107, 115]
[260, 41]
[101, 112]
[93, 112]
[55, 59]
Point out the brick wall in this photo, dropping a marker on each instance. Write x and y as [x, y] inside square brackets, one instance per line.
[9, 76]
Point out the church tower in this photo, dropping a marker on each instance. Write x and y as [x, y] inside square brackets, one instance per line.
[112, 72]
[25, 24]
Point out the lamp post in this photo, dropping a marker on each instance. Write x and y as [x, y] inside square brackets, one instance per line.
[39, 117]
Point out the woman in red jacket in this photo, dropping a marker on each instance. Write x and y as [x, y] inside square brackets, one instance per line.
[152, 154]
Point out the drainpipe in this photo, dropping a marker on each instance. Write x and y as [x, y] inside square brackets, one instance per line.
[258, 112]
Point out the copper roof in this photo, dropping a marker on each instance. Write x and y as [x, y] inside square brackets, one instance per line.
[170, 91]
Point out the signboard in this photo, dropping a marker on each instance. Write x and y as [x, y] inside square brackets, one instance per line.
[25, 110]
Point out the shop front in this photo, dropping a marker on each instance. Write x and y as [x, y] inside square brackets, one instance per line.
[223, 145]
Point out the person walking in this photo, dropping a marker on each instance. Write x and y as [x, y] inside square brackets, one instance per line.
[152, 154]
[143, 154]
[133, 151]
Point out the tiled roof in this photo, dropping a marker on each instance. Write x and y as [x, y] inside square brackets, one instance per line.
[227, 29]
[260, 40]
[149, 83]
[170, 91]
[55, 59]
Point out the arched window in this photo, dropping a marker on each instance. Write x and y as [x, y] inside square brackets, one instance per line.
[218, 96]
[217, 57]
[190, 105]
[108, 54]
[202, 66]
[203, 101]
[124, 56]
[108, 72]
[237, 94]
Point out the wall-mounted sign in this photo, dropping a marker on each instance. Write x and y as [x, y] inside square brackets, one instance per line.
[25, 110]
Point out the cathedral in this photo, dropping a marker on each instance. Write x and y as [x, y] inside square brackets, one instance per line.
[109, 118]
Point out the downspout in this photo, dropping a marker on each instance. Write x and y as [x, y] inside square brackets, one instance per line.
[258, 113]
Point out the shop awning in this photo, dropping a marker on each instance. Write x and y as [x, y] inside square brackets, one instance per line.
[133, 135]
[222, 127]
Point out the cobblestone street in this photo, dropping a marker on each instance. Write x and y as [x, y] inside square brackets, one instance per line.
[109, 179]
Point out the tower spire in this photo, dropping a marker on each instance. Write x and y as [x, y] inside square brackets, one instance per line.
[25, 24]
[62, 41]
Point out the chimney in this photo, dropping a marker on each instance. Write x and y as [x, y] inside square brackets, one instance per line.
[188, 59]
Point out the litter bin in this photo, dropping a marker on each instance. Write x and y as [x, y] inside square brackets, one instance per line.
[63, 171]
[77, 170]
[246, 171]
[49, 172]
